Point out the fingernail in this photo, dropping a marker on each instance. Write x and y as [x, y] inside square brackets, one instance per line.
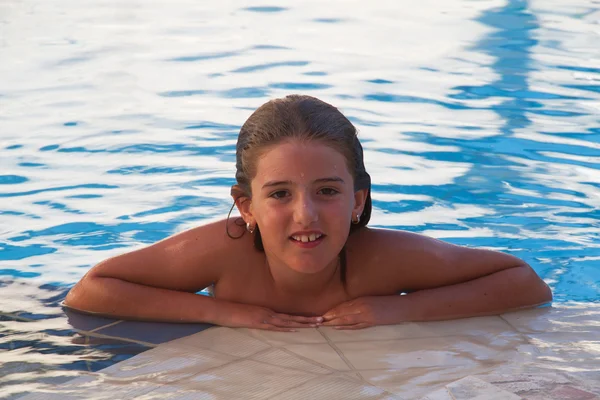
[320, 319]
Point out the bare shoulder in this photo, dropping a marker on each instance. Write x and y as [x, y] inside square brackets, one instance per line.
[395, 260]
[189, 260]
[379, 244]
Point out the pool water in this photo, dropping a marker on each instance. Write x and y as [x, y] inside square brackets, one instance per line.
[118, 121]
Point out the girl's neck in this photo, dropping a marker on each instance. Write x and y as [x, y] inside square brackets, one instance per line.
[287, 281]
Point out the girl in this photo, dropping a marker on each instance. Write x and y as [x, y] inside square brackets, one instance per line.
[302, 255]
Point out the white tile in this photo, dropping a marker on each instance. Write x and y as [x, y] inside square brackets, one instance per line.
[430, 352]
[304, 335]
[328, 388]
[246, 379]
[322, 354]
[165, 363]
[480, 326]
[96, 389]
[570, 317]
[223, 340]
[471, 388]
[440, 394]
[414, 383]
[569, 352]
[287, 359]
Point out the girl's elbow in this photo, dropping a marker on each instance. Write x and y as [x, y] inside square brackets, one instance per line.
[539, 291]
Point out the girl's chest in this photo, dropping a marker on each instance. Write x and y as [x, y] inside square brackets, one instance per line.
[258, 292]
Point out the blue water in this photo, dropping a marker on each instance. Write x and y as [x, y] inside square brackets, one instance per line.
[118, 120]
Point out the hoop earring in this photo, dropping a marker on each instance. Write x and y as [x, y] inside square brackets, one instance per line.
[249, 228]
[357, 220]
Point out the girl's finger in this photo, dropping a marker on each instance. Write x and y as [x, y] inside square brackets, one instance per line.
[274, 328]
[290, 324]
[339, 310]
[299, 318]
[348, 319]
[361, 325]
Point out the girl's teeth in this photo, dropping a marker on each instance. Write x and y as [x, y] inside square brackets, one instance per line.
[307, 238]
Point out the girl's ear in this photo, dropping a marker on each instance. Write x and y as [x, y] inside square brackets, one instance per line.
[360, 197]
[243, 204]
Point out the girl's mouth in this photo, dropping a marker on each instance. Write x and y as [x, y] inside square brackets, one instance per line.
[307, 241]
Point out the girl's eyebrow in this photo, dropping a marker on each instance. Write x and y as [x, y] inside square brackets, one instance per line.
[320, 180]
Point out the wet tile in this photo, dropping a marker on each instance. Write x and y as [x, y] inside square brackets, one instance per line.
[588, 380]
[525, 384]
[175, 392]
[306, 335]
[430, 352]
[559, 318]
[326, 388]
[322, 354]
[165, 364]
[471, 388]
[414, 383]
[224, 340]
[151, 332]
[568, 351]
[440, 394]
[287, 359]
[93, 388]
[467, 326]
[247, 379]
[565, 392]
[86, 322]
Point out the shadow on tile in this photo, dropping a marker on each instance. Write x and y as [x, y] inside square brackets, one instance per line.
[151, 332]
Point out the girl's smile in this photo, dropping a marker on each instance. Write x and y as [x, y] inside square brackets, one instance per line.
[302, 201]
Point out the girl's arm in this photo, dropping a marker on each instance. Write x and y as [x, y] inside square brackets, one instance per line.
[443, 281]
[159, 283]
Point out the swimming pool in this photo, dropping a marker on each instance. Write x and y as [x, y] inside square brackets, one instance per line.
[118, 124]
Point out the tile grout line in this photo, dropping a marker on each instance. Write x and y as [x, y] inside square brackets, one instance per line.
[106, 326]
[501, 316]
[288, 352]
[294, 387]
[101, 335]
[309, 360]
[340, 354]
[527, 339]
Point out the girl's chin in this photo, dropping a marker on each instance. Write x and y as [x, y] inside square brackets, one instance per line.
[307, 270]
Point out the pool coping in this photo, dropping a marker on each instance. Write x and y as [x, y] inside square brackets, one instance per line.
[542, 335]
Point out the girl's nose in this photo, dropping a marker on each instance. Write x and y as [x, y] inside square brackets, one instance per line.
[305, 211]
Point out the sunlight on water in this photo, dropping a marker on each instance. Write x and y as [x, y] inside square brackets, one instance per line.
[479, 121]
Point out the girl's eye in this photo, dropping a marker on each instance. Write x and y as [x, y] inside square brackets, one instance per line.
[328, 191]
[279, 194]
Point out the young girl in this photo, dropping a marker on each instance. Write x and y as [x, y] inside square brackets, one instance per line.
[303, 255]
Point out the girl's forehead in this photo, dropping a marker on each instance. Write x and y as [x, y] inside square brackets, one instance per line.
[306, 158]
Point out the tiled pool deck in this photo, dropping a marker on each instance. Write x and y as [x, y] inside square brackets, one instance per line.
[551, 353]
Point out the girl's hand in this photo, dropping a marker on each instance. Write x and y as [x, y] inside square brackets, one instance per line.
[236, 315]
[364, 312]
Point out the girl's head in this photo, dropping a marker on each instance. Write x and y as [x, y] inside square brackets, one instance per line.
[300, 174]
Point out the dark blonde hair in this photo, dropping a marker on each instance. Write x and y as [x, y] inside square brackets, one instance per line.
[303, 118]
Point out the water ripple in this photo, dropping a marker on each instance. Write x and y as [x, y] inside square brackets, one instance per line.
[479, 123]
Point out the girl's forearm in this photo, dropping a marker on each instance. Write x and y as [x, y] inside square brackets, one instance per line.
[503, 291]
[121, 299]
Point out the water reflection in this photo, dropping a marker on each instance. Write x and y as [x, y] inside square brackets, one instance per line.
[479, 125]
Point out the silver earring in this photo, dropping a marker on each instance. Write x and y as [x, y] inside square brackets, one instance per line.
[357, 220]
[249, 227]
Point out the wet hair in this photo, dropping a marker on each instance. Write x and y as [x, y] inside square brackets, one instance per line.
[302, 118]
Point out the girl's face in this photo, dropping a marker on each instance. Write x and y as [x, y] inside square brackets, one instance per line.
[303, 201]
